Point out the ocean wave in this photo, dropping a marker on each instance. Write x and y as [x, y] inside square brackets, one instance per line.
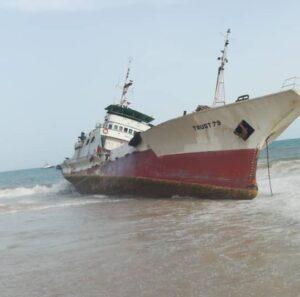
[285, 200]
[282, 166]
[55, 189]
[25, 204]
[11, 209]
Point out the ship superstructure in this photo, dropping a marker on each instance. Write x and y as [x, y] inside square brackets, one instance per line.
[120, 124]
[211, 152]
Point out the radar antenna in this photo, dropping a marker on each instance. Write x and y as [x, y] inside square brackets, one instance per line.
[220, 86]
[127, 84]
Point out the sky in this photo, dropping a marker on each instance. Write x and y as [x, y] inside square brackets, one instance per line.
[61, 62]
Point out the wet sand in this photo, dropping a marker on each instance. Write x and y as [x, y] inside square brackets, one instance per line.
[149, 247]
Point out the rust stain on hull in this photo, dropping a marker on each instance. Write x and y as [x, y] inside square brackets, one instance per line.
[146, 187]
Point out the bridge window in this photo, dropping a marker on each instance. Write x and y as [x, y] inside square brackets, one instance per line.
[109, 126]
[126, 130]
[120, 128]
[130, 131]
[115, 127]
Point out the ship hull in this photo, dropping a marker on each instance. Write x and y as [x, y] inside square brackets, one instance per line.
[224, 174]
[209, 154]
[154, 188]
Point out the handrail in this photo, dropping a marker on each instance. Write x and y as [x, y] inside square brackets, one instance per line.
[291, 83]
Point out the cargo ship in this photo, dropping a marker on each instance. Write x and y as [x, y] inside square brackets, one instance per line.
[211, 152]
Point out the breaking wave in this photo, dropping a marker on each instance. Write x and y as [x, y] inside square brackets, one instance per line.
[56, 189]
[285, 181]
[34, 207]
[282, 166]
[42, 197]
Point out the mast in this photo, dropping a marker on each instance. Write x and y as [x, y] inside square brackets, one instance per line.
[127, 83]
[220, 86]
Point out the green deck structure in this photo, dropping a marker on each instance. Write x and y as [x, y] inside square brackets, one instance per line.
[128, 113]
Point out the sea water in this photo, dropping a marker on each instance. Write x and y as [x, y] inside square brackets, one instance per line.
[56, 242]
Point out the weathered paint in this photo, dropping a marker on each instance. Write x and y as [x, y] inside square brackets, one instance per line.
[234, 169]
[145, 187]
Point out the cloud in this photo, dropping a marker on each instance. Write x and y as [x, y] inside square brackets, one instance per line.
[56, 5]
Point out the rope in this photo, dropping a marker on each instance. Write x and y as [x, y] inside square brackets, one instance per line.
[268, 162]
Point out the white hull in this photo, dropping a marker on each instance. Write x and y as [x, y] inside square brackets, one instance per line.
[269, 116]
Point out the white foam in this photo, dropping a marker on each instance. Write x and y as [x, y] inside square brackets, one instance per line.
[285, 180]
[111, 199]
[36, 207]
[36, 190]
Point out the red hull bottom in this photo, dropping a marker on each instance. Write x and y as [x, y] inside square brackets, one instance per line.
[145, 187]
[225, 174]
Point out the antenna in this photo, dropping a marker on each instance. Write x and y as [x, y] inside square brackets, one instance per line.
[220, 86]
[127, 83]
